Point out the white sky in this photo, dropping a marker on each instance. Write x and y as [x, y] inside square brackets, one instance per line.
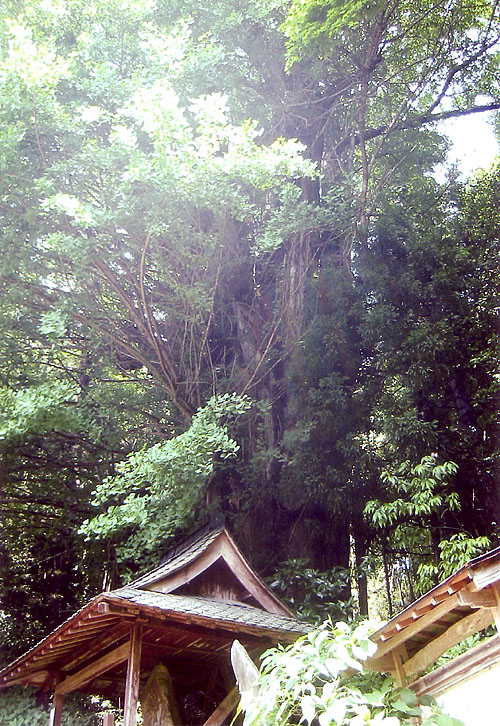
[474, 144]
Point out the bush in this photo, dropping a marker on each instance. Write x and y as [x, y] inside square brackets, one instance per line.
[18, 707]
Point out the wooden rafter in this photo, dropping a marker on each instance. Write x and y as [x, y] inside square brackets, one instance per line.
[416, 626]
[87, 674]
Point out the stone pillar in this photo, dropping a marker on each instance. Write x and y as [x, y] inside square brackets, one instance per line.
[159, 707]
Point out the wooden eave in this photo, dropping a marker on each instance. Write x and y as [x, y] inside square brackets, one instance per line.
[465, 666]
[216, 546]
[461, 605]
[184, 629]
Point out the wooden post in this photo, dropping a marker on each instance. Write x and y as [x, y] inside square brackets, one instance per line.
[496, 611]
[108, 719]
[133, 675]
[224, 709]
[56, 710]
[399, 655]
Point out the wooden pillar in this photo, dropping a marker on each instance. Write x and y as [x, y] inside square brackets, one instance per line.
[108, 719]
[496, 610]
[56, 710]
[133, 675]
[399, 655]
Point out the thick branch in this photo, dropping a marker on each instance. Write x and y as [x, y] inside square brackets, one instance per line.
[416, 122]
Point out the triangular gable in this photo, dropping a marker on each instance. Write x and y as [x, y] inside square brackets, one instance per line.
[212, 554]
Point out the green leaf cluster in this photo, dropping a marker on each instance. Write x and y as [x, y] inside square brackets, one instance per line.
[158, 491]
[18, 707]
[320, 679]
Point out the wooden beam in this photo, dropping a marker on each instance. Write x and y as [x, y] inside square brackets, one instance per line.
[462, 667]
[133, 676]
[250, 580]
[224, 708]
[87, 674]
[487, 573]
[454, 634]
[88, 651]
[169, 582]
[480, 599]
[416, 626]
[55, 714]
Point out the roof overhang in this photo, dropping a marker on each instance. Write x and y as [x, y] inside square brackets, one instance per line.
[463, 604]
[182, 629]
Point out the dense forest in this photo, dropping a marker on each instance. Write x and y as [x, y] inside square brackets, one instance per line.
[231, 283]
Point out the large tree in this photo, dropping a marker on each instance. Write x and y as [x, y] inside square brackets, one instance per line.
[160, 247]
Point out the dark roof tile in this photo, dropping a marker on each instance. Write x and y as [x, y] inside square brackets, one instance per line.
[229, 612]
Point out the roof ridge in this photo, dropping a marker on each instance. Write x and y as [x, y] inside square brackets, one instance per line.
[214, 526]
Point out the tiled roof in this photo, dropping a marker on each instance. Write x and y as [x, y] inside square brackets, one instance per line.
[179, 558]
[91, 623]
[224, 613]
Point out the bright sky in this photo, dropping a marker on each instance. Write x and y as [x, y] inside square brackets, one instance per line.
[474, 142]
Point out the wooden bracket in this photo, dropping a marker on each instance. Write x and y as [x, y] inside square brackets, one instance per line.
[480, 599]
[399, 656]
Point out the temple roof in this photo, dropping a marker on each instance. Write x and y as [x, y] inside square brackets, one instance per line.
[211, 555]
[227, 615]
[88, 651]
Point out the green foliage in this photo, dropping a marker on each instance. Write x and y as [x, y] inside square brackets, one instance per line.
[313, 595]
[422, 491]
[308, 22]
[18, 707]
[36, 410]
[456, 551]
[308, 682]
[158, 491]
